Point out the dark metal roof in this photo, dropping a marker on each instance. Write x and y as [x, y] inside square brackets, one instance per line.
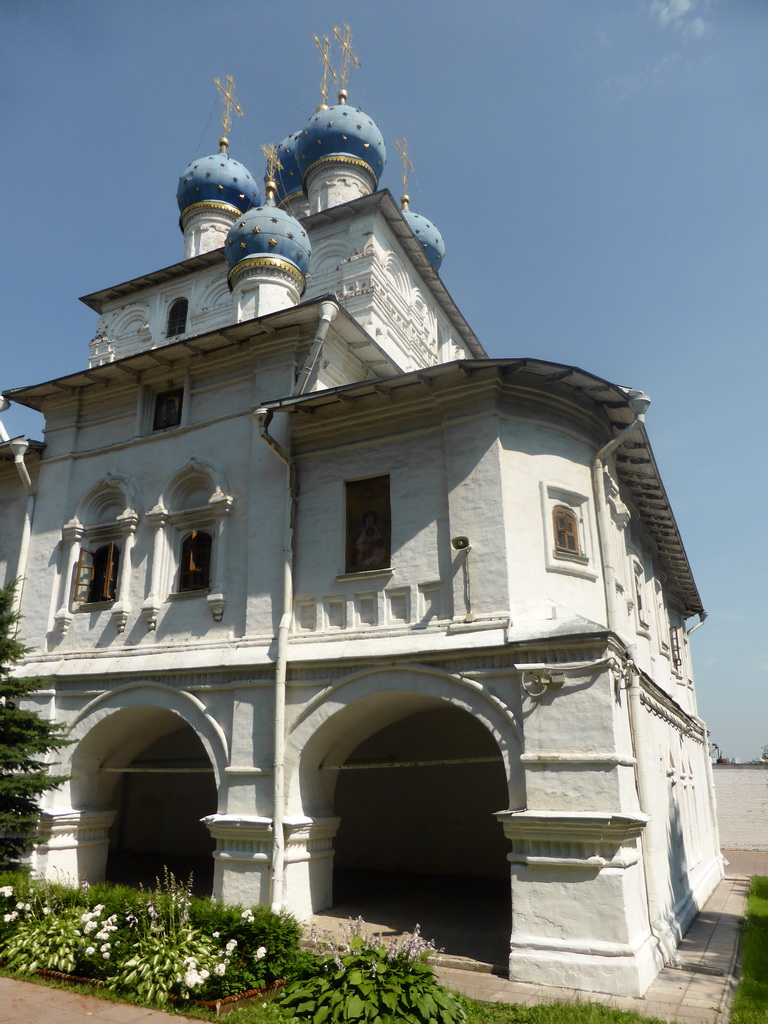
[635, 462]
[98, 300]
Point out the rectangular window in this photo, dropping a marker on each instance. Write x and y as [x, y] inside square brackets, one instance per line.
[167, 409]
[369, 525]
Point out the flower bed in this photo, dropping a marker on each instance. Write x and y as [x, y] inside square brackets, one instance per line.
[157, 944]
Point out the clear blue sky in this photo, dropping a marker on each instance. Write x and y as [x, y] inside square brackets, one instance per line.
[599, 170]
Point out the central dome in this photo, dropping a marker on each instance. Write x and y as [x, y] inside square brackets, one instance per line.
[341, 133]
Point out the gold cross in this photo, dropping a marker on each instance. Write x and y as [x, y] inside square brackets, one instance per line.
[325, 49]
[273, 161]
[230, 103]
[345, 42]
[402, 148]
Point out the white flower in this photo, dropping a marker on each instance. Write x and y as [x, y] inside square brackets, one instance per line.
[231, 945]
[90, 951]
[27, 906]
[10, 917]
[215, 934]
[220, 969]
[19, 906]
[6, 890]
[192, 978]
[205, 974]
[261, 952]
[247, 915]
[90, 926]
[105, 956]
[98, 908]
[46, 911]
[106, 947]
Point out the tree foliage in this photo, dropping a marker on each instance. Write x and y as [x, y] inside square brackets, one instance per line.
[25, 739]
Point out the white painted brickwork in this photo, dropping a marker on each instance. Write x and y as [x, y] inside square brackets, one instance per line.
[742, 805]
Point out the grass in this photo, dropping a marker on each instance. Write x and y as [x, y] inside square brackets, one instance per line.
[751, 1003]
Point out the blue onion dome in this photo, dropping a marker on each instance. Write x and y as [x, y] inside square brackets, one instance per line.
[341, 133]
[271, 237]
[427, 235]
[217, 181]
[288, 176]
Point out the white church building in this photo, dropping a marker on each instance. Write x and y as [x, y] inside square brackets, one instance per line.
[315, 584]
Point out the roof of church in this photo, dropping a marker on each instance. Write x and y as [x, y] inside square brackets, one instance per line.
[635, 462]
[367, 351]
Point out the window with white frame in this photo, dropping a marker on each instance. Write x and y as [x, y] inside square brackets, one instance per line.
[177, 318]
[188, 553]
[567, 531]
[98, 556]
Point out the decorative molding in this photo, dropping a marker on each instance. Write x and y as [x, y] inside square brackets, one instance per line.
[579, 839]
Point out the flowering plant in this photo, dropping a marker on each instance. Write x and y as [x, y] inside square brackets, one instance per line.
[50, 937]
[361, 978]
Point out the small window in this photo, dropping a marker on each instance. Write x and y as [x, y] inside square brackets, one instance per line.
[167, 409]
[195, 561]
[566, 527]
[177, 318]
[369, 528]
[674, 647]
[96, 578]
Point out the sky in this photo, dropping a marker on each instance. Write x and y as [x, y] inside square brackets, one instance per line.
[598, 170]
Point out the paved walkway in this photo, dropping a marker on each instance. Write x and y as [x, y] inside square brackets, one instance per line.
[675, 995]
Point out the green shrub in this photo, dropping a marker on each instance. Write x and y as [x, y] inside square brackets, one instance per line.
[366, 980]
[157, 942]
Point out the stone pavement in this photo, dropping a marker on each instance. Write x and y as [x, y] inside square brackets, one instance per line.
[676, 995]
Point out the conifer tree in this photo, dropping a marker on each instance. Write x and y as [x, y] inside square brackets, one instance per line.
[25, 738]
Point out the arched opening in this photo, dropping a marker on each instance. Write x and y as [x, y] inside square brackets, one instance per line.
[417, 840]
[149, 766]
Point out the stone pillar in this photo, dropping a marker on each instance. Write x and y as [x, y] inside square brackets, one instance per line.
[309, 864]
[579, 916]
[73, 845]
[242, 858]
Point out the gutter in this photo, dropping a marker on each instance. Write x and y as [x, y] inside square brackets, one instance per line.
[328, 313]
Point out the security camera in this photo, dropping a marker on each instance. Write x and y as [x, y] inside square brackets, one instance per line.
[460, 544]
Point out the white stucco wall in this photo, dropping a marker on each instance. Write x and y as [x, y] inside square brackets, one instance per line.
[742, 805]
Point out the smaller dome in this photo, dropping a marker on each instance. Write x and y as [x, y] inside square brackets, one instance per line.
[427, 235]
[265, 232]
[288, 178]
[343, 133]
[217, 179]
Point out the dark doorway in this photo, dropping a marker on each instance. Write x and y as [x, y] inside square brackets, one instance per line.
[160, 798]
[418, 841]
